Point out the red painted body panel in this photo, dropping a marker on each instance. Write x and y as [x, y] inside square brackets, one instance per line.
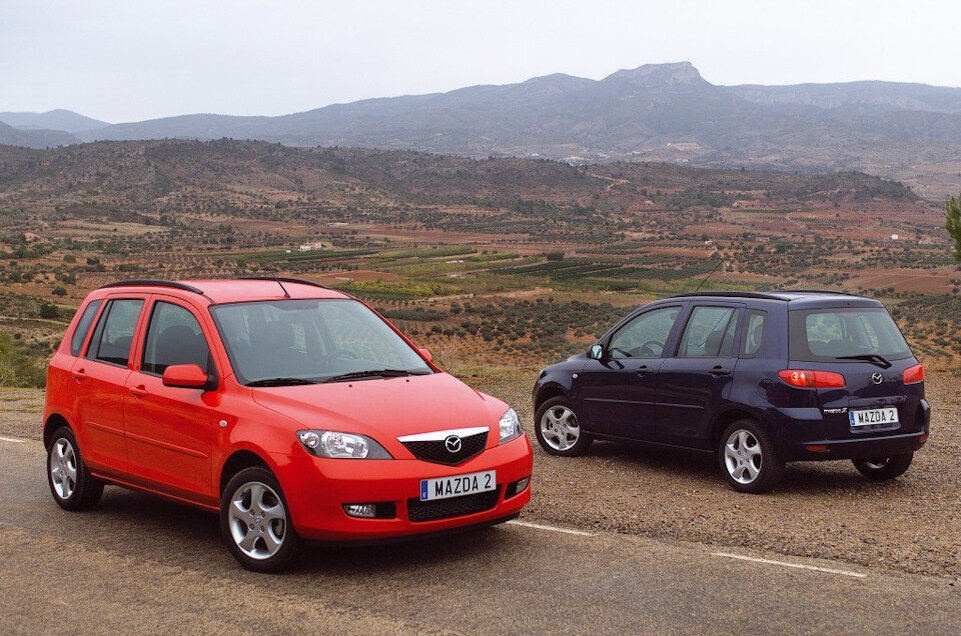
[171, 441]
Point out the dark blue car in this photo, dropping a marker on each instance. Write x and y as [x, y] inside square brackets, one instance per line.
[758, 378]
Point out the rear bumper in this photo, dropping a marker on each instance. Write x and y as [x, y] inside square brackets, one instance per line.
[804, 435]
[317, 489]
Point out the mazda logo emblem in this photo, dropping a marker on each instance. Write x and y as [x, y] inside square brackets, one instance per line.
[877, 378]
[453, 444]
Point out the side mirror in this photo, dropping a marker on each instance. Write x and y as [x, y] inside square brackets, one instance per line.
[185, 376]
[596, 352]
[426, 354]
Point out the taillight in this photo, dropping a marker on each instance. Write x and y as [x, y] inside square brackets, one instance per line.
[915, 374]
[812, 379]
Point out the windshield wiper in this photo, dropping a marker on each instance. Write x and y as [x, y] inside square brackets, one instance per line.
[371, 373]
[281, 382]
[873, 358]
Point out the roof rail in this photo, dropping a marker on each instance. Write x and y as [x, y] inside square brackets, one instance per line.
[813, 291]
[731, 294]
[151, 282]
[284, 279]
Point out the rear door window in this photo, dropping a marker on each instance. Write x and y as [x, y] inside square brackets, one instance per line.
[114, 335]
[831, 334]
[83, 327]
[709, 333]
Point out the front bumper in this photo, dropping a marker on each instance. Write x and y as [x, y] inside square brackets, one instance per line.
[316, 490]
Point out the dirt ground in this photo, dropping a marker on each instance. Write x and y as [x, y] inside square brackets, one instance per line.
[823, 510]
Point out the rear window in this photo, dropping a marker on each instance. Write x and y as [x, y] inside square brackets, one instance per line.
[824, 335]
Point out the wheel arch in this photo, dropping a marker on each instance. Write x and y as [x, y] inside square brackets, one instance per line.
[239, 460]
[547, 392]
[727, 417]
[51, 424]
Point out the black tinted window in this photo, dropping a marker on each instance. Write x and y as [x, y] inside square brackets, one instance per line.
[830, 334]
[116, 331]
[173, 337]
[709, 333]
[80, 334]
[644, 336]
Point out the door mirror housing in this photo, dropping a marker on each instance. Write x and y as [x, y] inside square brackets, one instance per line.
[596, 352]
[185, 376]
[426, 354]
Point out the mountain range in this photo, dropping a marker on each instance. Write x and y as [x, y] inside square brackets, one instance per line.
[662, 112]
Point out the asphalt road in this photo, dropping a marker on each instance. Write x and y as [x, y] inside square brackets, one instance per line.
[138, 564]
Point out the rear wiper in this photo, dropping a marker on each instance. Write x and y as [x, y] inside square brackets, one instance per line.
[371, 373]
[873, 358]
[281, 382]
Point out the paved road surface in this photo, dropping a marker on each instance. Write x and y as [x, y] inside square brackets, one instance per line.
[140, 564]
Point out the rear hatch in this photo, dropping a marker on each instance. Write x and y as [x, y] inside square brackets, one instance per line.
[879, 390]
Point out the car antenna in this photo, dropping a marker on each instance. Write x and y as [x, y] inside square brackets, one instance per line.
[720, 262]
[279, 282]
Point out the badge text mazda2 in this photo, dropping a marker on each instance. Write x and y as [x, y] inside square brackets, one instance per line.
[294, 411]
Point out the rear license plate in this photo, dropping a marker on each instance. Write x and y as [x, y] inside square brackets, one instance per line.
[873, 417]
[458, 485]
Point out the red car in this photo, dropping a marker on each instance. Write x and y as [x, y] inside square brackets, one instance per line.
[295, 411]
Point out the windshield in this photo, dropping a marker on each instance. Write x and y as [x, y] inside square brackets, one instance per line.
[310, 340]
[829, 335]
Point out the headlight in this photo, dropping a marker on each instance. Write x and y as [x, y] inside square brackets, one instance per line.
[510, 426]
[341, 445]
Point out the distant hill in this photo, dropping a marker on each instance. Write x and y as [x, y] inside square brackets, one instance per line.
[664, 112]
[35, 138]
[65, 120]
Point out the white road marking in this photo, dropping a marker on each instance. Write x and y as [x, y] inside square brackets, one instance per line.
[10, 439]
[790, 565]
[538, 526]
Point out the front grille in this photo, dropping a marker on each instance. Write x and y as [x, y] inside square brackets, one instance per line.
[418, 510]
[436, 450]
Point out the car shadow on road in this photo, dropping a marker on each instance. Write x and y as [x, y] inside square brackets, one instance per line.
[148, 527]
[800, 478]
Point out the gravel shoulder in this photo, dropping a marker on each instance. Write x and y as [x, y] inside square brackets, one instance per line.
[822, 510]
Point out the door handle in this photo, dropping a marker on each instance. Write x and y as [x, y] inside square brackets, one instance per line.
[719, 370]
[139, 391]
[642, 370]
[79, 375]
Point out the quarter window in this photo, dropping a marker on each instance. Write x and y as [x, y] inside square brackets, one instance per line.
[173, 337]
[753, 333]
[116, 332]
[83, 326]
[709, 333]
[644, 336]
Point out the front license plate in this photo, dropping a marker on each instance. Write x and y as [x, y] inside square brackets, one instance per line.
[458, 485]
[871, 417]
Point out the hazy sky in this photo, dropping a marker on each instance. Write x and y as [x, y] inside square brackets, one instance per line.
[126, 60]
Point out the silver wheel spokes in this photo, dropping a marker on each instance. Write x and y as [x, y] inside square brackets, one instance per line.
[877, 463]
[63, 468]
[559, 428]
[257, 520]
[742, 456]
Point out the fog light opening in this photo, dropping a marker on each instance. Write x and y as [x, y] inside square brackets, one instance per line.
[364, 511]
[522, 484]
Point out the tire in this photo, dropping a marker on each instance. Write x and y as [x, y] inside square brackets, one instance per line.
[883, 468]
[255, 521]
[71, 484]
[747, 457]
[558, 430]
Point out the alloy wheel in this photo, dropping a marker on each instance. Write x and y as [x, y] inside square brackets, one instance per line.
[559, 428]
[257, 520]
[742, 456]
[63, 468]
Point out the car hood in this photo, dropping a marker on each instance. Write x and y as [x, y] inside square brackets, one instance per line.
[386, 408]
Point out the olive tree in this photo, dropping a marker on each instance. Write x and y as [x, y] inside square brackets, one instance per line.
[953, 223]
